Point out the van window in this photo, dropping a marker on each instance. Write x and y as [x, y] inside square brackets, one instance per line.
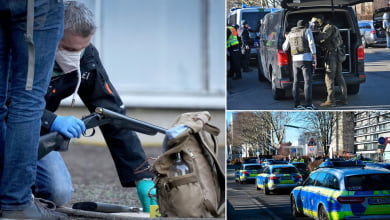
[232, 20]
[253, 18]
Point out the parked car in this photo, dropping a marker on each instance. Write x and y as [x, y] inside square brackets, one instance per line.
[275, 65]
[377, 18]
[345, 191]
[277, 178]
[370, 35]
[252, 15]
[302, 168]
[247, 172]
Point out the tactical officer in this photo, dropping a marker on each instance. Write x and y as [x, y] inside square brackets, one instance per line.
[233, 47]
[330, 41]
[303, 51]
[78, 69]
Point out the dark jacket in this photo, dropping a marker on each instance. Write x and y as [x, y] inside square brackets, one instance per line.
[96, 90]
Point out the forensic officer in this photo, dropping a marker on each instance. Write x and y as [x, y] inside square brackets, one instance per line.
[78, 69]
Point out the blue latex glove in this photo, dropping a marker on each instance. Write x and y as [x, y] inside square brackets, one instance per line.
[69, 126]
[144, 188]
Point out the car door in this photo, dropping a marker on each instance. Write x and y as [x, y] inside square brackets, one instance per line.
[307, 192]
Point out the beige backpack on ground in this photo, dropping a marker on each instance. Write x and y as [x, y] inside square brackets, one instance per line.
[201, 192]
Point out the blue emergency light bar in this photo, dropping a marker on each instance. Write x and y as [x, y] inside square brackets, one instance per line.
[338, 164]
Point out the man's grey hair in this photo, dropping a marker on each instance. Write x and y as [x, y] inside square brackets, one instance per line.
[79, 19]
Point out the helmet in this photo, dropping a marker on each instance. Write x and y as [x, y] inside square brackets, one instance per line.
[317, 19]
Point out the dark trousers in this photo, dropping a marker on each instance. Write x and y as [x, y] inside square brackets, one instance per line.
[306, 69]
[235, 56]
[245, 58]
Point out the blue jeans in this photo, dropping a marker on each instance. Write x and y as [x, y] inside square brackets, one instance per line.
[53, 179]
[306, 68]
[20, 119]
[388, 41]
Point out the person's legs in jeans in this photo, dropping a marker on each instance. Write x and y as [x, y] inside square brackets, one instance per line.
[53, 180]
[295, 89]
[307, 72]
[388, 41]
[26, 106]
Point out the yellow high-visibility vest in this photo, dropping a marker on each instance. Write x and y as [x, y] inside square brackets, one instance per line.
[232, 40]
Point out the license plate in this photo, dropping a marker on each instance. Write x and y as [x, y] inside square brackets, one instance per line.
[379, 201]
[286, 178]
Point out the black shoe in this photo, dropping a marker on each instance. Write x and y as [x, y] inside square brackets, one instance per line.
[38, 209]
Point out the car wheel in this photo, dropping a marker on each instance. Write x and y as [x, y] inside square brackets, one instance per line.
[353, 89]
[266, 190]
[322, 214]
[294, 209]
[278, 94]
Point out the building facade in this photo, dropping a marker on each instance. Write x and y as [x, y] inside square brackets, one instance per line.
[343, 134]
[369, 127]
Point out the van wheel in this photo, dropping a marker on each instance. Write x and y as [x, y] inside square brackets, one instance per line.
[353, 89]
[278, 94]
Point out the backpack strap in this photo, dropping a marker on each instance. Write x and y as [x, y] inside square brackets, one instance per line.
[30, 43]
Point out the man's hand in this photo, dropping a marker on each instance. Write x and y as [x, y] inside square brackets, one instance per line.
[144, 188]
[69, 126]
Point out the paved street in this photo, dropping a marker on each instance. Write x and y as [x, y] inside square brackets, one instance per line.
[245, 202]
[251, 94]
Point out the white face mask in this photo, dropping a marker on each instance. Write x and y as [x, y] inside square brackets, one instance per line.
[69, 61]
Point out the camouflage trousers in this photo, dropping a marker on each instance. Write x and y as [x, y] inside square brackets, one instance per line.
[333, 73]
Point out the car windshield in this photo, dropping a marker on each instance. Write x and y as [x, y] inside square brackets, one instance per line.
[368, 182]
[364, 25]
[253, 167]
[284, 170]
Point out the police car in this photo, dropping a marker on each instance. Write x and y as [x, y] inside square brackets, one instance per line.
[278, 177]
[343, 190]
[247, 172]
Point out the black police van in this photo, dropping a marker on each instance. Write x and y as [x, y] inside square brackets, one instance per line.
[276, 66]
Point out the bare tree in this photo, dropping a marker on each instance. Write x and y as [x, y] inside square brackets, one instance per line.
[322, 123]
[265, 3]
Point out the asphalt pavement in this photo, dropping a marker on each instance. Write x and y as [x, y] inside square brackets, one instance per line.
[95, 178]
